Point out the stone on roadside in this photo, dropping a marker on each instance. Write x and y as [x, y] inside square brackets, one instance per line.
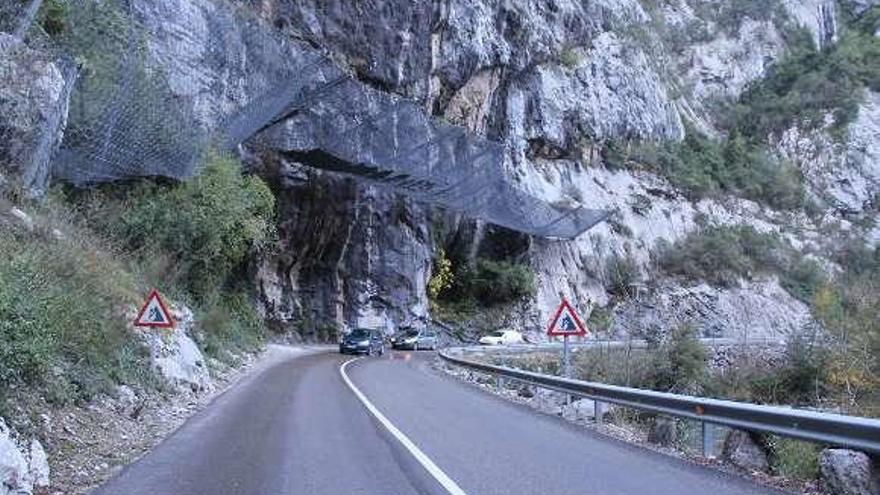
[663, 431]
[848, 472]
[741, 450]
[579, 410]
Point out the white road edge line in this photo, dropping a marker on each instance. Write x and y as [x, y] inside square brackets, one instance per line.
[426, 462]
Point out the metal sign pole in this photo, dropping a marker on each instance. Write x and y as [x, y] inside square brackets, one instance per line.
[566, 369]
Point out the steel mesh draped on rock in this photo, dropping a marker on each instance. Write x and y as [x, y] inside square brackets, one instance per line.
[132, 113]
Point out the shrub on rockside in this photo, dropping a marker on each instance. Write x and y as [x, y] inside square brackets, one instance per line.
[202, 230]
[723, 255]
[60, 328]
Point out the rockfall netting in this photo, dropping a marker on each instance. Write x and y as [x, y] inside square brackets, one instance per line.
[157, 83]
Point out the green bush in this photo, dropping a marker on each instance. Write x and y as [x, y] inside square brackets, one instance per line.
[496, 282]
[621, 272]
[442, 277]
[600, 319]
[723, 255]
[704, 167]
[486, 283]
[570, 58]
[808, 84]
[848, 307]
[202, 230]
[52, 17]
[794, 458]
[803, 279]
[680, 364]
[229, 324]
[60, 327]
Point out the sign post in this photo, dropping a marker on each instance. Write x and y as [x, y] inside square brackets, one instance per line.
[566, 322]
[566, 361]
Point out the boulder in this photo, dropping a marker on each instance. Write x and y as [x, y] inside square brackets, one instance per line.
[526, 391]
[663, 431]
[579, 410]
[127, 402]
[549, 401]
[176, 356]
[14, 477]
[741, 450]
[847, 472]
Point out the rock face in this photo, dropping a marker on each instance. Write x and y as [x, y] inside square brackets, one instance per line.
[175, 355]
[846, 472]
[740, 449]
[556, 83]
[33, 105]
[761, 310]
[23, 466]
[607, 91]
[361, 258]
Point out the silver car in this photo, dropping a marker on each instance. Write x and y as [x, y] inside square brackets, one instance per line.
[415, 339]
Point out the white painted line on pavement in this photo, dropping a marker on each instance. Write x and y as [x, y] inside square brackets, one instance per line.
[426, 462]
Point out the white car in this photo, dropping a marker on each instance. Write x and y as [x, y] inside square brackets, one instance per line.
[502, 337]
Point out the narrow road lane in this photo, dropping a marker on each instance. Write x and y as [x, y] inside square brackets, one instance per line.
[297, 428]
[492, 446]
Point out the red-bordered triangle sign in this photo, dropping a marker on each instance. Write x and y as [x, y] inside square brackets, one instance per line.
[154, 313]
[566, 321]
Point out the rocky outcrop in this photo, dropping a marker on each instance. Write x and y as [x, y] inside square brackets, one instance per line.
[844, 174]
[33, 105]
[175, 355]
[609, 90]
[741, 450]
[23, 465]
[555, 83]
[757, 310]
[351, 256]
[847, 472]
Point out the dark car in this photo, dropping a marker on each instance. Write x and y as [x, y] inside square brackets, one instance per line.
[415, 339]
[363, 341]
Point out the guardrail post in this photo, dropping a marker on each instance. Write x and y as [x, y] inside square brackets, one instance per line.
[708, 439]
[598, 412]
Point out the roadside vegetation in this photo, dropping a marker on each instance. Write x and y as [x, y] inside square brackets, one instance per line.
[477, 294]
[723, 256]
[703, 168]
[802, 89]
[60, 327]
[68, 284]
[487, 282]
[837, 364]
[809, 84]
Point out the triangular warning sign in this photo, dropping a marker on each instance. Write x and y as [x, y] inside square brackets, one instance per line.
[154, 313]
[566, 321]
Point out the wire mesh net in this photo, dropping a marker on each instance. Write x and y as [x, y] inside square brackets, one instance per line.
[151, 96]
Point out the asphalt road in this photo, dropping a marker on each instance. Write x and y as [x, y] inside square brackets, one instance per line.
[299, 428]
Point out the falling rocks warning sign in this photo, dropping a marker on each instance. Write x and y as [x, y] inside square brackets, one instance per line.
[154, 313]
[566, 322]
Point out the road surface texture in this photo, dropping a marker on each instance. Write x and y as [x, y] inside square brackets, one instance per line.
[298, 427]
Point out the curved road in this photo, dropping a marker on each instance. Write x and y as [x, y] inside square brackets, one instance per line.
[299, 428]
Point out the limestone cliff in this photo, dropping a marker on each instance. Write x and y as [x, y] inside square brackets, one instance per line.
[555, 81]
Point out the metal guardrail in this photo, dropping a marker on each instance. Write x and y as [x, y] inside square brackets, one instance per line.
[634, 344]
[844, 431]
